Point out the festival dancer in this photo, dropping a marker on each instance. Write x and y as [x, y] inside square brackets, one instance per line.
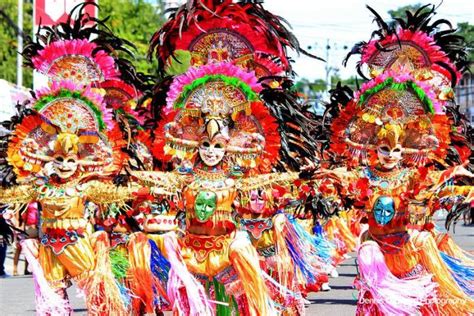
[215, 137]
[395, 117]
[73, 147]
[250, 37]
[54, 152]
[433, 53]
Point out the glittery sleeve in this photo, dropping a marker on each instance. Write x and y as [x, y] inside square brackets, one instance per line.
[20, 194]
[456, 190]
[107, 193]
[266, 180]
[347, 176]
[161, 182]
[439, 178]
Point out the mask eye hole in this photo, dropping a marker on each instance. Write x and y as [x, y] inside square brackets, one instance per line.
[70, 160]
[384, 148]
[59, 159]
[397, 150]
[206, 144]
[218, 146]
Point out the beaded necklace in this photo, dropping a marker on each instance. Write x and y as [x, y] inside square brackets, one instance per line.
[383, 179]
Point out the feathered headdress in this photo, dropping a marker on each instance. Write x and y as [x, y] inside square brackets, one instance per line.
[393, 107]
[68, 119]
[432, 53]
[416, 45]
[81, 49]
[202, 32]
[245, 34]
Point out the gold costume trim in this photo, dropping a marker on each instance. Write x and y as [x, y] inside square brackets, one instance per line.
[263, 180]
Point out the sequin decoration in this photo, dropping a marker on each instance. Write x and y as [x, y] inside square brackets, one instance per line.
[76, 68]
[70, 115]
[216, 98]
[220, 45]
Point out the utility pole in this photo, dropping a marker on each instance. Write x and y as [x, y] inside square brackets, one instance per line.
[328, 67]
[19, 58]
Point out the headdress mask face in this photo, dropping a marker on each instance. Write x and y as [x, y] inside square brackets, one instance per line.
[258, 200]
[65, 160]
[389, 147]
[389, 157]
[212, 151]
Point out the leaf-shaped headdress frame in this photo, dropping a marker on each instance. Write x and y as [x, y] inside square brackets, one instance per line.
[72, 108]
[219, 99]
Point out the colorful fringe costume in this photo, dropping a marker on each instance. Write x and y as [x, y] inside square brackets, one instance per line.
[396, 123]
[228, 46]
[63, 151]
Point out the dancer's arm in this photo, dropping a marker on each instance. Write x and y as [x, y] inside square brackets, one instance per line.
[161, 183]
[266, 181]
[105, 192]
[16, 195]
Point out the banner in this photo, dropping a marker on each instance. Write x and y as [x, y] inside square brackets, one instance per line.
[10, 95]
[50, 12]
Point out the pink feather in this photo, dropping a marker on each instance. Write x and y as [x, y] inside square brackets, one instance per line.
[196, 299]
[389, 294]
[48, 302]
[225, 68]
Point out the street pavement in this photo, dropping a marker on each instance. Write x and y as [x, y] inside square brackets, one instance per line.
[17, 294]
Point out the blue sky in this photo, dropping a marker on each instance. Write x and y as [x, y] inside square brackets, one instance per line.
[345, 23]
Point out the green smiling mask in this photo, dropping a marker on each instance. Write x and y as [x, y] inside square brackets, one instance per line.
[205, 205]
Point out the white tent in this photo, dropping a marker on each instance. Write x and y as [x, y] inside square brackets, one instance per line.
[9, 96]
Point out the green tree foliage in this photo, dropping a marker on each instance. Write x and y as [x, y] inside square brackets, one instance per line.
[134, 20]
[401, 11]
[8, 39]
[466, 30]
[319, 85]
[304, 84]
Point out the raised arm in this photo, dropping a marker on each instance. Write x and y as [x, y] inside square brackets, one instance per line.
[19, 194]
[439, 178]
[161, 183]
[105, 192]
